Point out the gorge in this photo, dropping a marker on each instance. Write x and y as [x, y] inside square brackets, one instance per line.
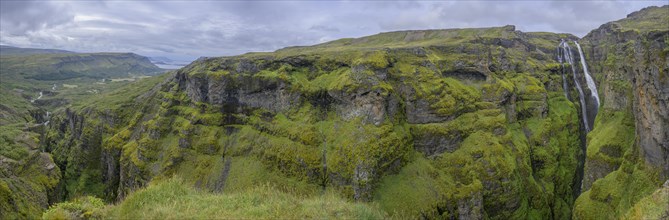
[474, 123]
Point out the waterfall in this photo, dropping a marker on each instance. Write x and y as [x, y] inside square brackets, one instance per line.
[39, 97]
[588, 78]
[560, 54]
[566, 52]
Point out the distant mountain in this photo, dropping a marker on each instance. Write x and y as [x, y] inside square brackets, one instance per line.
[74, 65]
[9, 50]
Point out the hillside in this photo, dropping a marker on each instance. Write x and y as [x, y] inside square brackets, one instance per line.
[52, 79]
[477, 123]
[466, 117]
[35, 85]
[68, 66]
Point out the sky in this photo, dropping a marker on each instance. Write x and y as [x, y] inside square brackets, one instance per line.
[185, 30]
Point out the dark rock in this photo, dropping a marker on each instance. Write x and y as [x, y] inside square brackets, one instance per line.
[466, 74]
[471, 207]
[433, 144]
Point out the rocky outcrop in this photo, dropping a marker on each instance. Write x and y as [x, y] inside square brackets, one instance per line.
[471, 208]
[270, 104]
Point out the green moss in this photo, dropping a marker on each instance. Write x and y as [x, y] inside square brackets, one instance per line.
[498, 89]
[612, 136]
[247, 173]
[646, 20]
[24, 187]
[12, 143]
[528, 87]
[418, 189]
[617, 193]
[586, 208]
[376, 59]
[447, 96]
[653, 206]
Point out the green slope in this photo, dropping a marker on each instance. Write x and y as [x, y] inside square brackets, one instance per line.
[465, 114]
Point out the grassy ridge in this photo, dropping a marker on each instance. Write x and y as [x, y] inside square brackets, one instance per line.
[173, 199]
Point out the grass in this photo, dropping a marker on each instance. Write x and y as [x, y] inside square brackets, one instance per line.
[647, 20]
[612, 137]
[173, 199]
[620, 192]
[247, 173]
[122, 94]
[80, 208]
[416, 190]
[653, 206]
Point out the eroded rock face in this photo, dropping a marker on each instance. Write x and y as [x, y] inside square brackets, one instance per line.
[594, 170]
[471, 208]
[239, 91]
[370, 105]
[632, 68]
[628, 146]
[349, 120]
[651, 100]
[434, 144]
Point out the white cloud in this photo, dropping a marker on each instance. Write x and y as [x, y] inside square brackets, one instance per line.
[215, 28]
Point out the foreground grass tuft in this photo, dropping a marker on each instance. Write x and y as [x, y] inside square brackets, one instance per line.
[173, 199]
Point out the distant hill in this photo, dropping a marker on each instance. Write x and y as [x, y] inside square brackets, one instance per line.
[63, 66]
[9, 50]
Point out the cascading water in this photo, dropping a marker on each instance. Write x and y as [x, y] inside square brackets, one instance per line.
[567, 55]
[39, 97]
[560, 54]
[588, 78]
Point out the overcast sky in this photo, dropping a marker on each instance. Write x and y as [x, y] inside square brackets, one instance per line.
[189, 29]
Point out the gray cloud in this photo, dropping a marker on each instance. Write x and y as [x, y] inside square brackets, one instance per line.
[324, 28]
[187, 29]
[22, 16]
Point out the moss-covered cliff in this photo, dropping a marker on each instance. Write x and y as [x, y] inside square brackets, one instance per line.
[465, 123]
[456, 123]
[35, 85]
[628, 151]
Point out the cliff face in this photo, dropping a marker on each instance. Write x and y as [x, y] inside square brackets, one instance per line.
[475, 117]
[630, 140]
